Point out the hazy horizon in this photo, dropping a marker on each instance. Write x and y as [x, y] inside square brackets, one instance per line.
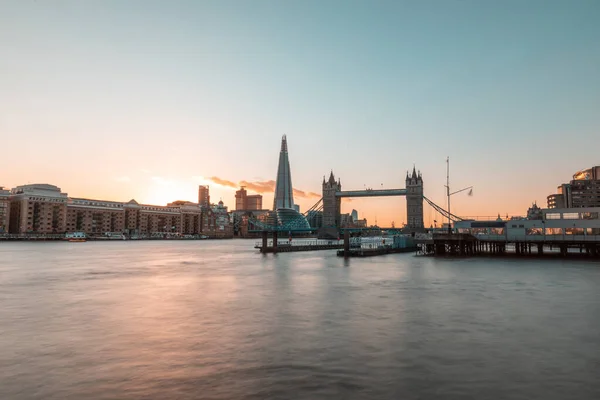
[146, 100]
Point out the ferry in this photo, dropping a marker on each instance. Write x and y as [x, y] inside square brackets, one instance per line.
[76, 237]
[112, 236]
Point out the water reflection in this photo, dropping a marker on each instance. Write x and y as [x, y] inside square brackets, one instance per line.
[218, 320]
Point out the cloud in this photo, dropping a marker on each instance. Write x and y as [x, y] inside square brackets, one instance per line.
[222, 182]
[259, 187]
[303, 194]
[123, 179]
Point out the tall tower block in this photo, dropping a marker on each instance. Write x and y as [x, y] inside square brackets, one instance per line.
[284, 194]
[414, 201]
[331, 204]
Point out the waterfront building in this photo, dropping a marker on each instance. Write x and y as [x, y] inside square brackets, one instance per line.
[414, 201]
[190, 216]
[203, 196]
[39, 208]
[94, 216]
[283, 201]
[4, 209]
[354, 215]
[548, 224]
[562, 197]
[43, 208]
[223, 226]
[582, 191]
[243, 201]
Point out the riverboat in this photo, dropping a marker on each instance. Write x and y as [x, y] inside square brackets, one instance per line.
[76, 237]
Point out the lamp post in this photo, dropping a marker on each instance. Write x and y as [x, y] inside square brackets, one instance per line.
[448, 194]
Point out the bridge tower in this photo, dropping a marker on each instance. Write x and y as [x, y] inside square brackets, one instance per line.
[414, 201]
[331, 203]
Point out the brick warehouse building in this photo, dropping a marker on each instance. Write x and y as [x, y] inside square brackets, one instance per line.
[43, 208]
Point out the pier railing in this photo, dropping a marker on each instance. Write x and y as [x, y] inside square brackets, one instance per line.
[300, 242]
[539, 238]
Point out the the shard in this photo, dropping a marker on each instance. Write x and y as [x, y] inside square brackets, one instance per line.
[283, 203]
[284, 194]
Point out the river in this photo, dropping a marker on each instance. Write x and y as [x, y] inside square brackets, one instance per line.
[216, 320]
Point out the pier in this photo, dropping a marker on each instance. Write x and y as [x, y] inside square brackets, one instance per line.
[462, 244]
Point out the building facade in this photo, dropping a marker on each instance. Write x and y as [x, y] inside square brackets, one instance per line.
[39, 208]
[414, 201]
[582, 191]
[203, 196]
[4, 209]
[285, 212]
[43, 208]
[243, 201]
[94, 216]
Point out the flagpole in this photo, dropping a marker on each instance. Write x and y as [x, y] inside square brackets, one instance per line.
[448, 193]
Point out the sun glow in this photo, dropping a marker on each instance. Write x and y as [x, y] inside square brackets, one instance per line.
[162, 190]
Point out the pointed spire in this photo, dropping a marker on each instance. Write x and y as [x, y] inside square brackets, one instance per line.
[331, 178]
[283, 197]
[414, 174]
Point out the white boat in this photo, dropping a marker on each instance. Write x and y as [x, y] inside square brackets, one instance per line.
[75, 237]
[113, 236]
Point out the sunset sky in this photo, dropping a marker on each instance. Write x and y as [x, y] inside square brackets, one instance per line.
[147, 99]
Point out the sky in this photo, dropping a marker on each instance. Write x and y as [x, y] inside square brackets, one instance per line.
[148, 99]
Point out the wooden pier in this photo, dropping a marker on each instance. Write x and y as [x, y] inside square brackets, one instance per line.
[273, 245]
[462, 244]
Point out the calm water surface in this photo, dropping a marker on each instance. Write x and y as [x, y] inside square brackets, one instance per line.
[216, 320]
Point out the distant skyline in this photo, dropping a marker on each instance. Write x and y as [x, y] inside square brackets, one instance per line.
[148, 99]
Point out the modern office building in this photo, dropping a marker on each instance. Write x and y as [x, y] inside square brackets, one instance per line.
[582, 191]
[243, 201]
[284, 194]
[283, 202]
[203, 196]
[562, 197]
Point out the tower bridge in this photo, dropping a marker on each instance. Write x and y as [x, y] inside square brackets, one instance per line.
[333, 194]
[371, 193]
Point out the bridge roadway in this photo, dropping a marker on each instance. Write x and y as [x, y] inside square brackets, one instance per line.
[371, 193]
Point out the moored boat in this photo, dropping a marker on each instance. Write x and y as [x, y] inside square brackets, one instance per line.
[76, 237]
